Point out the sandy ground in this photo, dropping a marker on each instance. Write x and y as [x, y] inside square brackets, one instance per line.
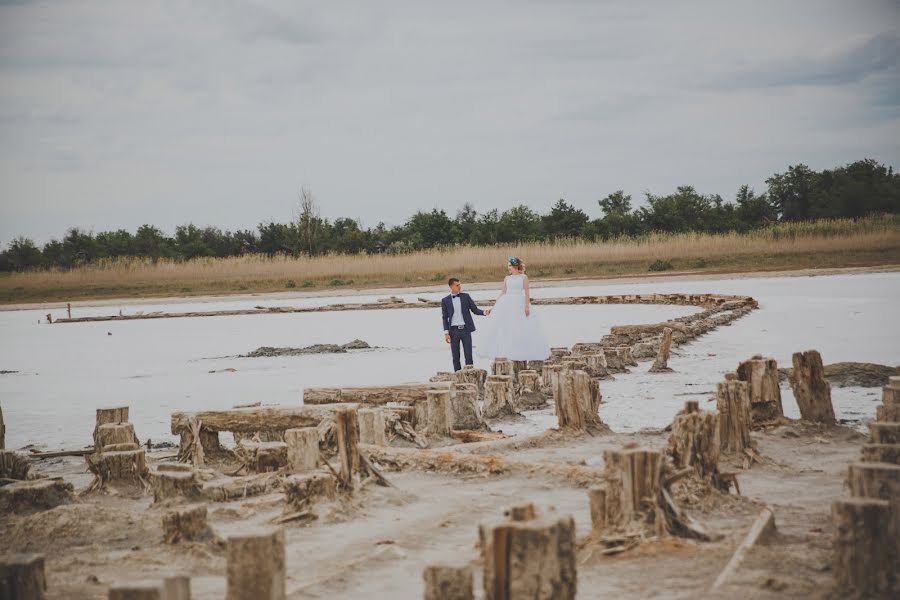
[377, 544]
[387, 291]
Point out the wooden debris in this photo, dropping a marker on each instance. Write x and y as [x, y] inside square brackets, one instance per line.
[302, 490]
[22, 577]
[661, 364]
[262, 457]
[499, 396]
[694, 441]
[371, 426]
[865, 554]
[443, 582]
[407, 393]
[34, 495]
[167, 485]
[255, 565]
[302, 449]
[13, 465]
[763, 528]
[347, 424]
[811, 390]
[186, 524]
[57, 454]
[765, 393]
[733, 404]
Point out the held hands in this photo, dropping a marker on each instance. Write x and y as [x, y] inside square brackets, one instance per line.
[527, 310]
[487, 312]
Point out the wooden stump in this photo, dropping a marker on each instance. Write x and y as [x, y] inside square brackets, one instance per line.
[765, 393]
[255, 564]
[519, 365]
[178, 587]
[624, 353]
[695, 441]
[886, 453]
[733, 404]
[632, 485]
[614, 361]
[13, 465]
[535, 365]
[263, 457]
[532, 559]
[301, 490]
[529, 394]
[521, 512]
[22, 577]
[811, 390]
[2, 431]
[34, 495]
[167, 485]
[110, 434]
[498, 396]
[597, 500]
[864, 554]
[470, 374]
[302, 448]
[129, 466]
[371, 426]
[185, 524]
[661, 364]
[441, 376]
[557, 353]
[881, 481]
[464, 407]
[436, 414]
[577, 399]
[595, 364]
[502, 366]
[137, 590]
[884, 433]
[887, 412]
[443, 582]
[347, 426]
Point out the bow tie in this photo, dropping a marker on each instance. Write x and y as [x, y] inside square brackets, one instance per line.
[454, 295]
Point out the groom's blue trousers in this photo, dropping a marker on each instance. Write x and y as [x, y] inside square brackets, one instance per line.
[457, 336]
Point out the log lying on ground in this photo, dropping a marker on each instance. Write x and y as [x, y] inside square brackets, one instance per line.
[733, 405]
[763, 528]
[302, 449]
[408, 393]
[253, 419]
[457, 462]
[223, 489]
[255, 565]
[22, 577]
[38, 494]
[811, 390]
[444, 582]
[532, 559]
[301, 490]
[168, 485]
[865, 556]
[661, 364]
[188, 523]
[765, 394]
[13, 465]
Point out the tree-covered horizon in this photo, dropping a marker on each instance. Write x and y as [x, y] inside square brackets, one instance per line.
[855, 190]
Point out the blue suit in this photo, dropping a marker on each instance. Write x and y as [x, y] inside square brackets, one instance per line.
[463, 334]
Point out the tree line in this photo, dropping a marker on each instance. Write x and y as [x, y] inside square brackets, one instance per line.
[860, 188]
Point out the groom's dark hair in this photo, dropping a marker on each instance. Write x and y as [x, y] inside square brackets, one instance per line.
[452, 281]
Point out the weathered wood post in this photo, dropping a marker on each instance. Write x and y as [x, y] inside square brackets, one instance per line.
[444, 582]
[532, 559]
[529, 386]
[22, 577]
[137, 590]
[469, 374]
[661, 364]
[465, 409]
[176, 480]
[2, 431]
[436, 416]
[177, 587]
[632, 486]
[624, 353]
[733, 404]
[695, 440]
[498, 396]
[765, 394]
[104, 416]
[256, 566]
[811, 390]
[884, 432]
[502, 366]
[880, 481]
[597, 500]
[347, 426]
[302, 448]
[110, 434]
[614, 363]
[187, 523]
[888, 410]
[371, 426]
[596, 364]
[865, 558]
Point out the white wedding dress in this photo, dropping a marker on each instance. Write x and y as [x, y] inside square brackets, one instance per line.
[508, 332]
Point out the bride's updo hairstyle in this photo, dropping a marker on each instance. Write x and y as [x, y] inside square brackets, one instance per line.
[517, 263]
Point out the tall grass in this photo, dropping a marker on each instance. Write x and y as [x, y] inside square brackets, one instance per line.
[873, 235]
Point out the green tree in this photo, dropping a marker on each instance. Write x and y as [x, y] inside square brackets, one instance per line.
[564, 220]
[518, 224]
[22, 254]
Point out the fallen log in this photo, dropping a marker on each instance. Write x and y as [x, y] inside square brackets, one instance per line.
[251, 420]
[408, 393]
[763, 527]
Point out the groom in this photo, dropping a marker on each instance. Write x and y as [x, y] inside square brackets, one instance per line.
[456, 314]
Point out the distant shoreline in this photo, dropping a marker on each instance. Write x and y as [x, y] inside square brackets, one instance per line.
[542, 283]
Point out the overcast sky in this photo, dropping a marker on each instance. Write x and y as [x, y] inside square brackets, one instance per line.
[114, 114]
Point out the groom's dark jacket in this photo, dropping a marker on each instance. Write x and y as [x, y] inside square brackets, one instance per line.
[468, 307]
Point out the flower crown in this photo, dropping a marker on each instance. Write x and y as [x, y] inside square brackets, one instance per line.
[513, 260]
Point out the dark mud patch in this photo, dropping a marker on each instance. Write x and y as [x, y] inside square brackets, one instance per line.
[852, 374]
[270, 351]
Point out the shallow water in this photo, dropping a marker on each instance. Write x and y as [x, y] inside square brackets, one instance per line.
[159, 366]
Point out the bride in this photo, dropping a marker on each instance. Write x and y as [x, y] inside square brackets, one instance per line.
[512, 330]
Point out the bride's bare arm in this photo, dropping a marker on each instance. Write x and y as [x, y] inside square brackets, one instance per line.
[527, 297]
